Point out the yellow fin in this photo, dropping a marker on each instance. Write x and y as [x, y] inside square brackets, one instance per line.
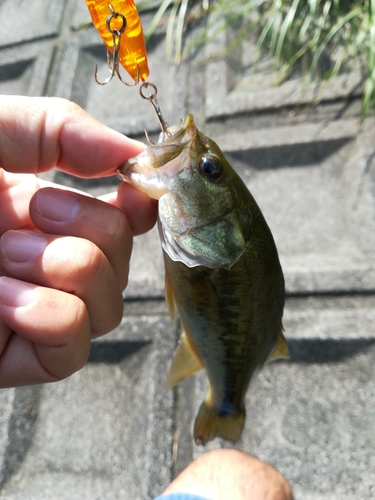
[209, 424]
[169, 297]
[185, 362]
[280, 349]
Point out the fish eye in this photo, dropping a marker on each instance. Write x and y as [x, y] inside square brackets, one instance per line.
[210, 167]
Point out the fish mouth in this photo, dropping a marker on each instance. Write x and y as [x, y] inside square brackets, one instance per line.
[178, 132]
[150, 170]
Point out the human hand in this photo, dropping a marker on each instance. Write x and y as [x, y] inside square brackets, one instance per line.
[229, 474]
[64, 257]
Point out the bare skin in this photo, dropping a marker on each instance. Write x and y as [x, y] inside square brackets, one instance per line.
[231, 474]
[64, 257]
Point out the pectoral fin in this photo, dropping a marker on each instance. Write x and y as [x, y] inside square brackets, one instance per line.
[280, 349]
[169, 297]
[185, 362]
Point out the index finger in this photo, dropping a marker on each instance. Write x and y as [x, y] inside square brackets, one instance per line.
[39, 133]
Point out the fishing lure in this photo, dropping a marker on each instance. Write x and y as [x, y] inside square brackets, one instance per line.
[120, 28]
[119, 25]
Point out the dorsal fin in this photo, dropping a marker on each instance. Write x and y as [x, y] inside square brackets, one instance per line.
[185, 362]
[280, 349]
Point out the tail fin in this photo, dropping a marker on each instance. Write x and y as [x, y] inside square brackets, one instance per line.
[209, 424]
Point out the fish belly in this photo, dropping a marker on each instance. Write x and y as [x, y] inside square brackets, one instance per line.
[232, 317]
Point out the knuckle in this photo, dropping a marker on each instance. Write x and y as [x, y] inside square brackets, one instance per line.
[86, 262]
[52, 123]
[119, 233]
[74, 320]
[108, 315]
[118, 251]
[79, 333]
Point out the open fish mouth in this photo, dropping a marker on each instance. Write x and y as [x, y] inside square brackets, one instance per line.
[150, 170]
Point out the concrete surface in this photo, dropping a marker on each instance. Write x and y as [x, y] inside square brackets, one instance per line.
[112, 431]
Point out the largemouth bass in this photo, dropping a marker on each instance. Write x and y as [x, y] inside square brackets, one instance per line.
[222, 272]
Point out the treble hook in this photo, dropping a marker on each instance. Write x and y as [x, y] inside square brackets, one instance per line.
[114, 65]
[152, 99]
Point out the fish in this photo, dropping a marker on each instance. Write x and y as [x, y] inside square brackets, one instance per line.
[222, 272]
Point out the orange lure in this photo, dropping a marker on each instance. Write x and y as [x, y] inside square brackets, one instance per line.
[132, 49]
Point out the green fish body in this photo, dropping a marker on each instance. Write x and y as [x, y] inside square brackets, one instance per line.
[223, 274]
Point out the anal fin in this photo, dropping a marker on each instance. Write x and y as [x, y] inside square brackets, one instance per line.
[280, 349]
[184, 364]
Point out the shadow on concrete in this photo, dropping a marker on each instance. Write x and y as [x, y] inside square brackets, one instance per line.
[14, 71]
[326, 351]
[290, 155]
[114, 352]
[21, 430]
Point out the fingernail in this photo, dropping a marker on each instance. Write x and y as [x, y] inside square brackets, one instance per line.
[16, 293]
[56, 204]
[22, 246]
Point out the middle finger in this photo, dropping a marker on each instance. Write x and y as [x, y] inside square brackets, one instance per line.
[69, 264]
[61, 212]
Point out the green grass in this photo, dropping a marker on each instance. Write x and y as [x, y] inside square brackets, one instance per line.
[295, 33]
